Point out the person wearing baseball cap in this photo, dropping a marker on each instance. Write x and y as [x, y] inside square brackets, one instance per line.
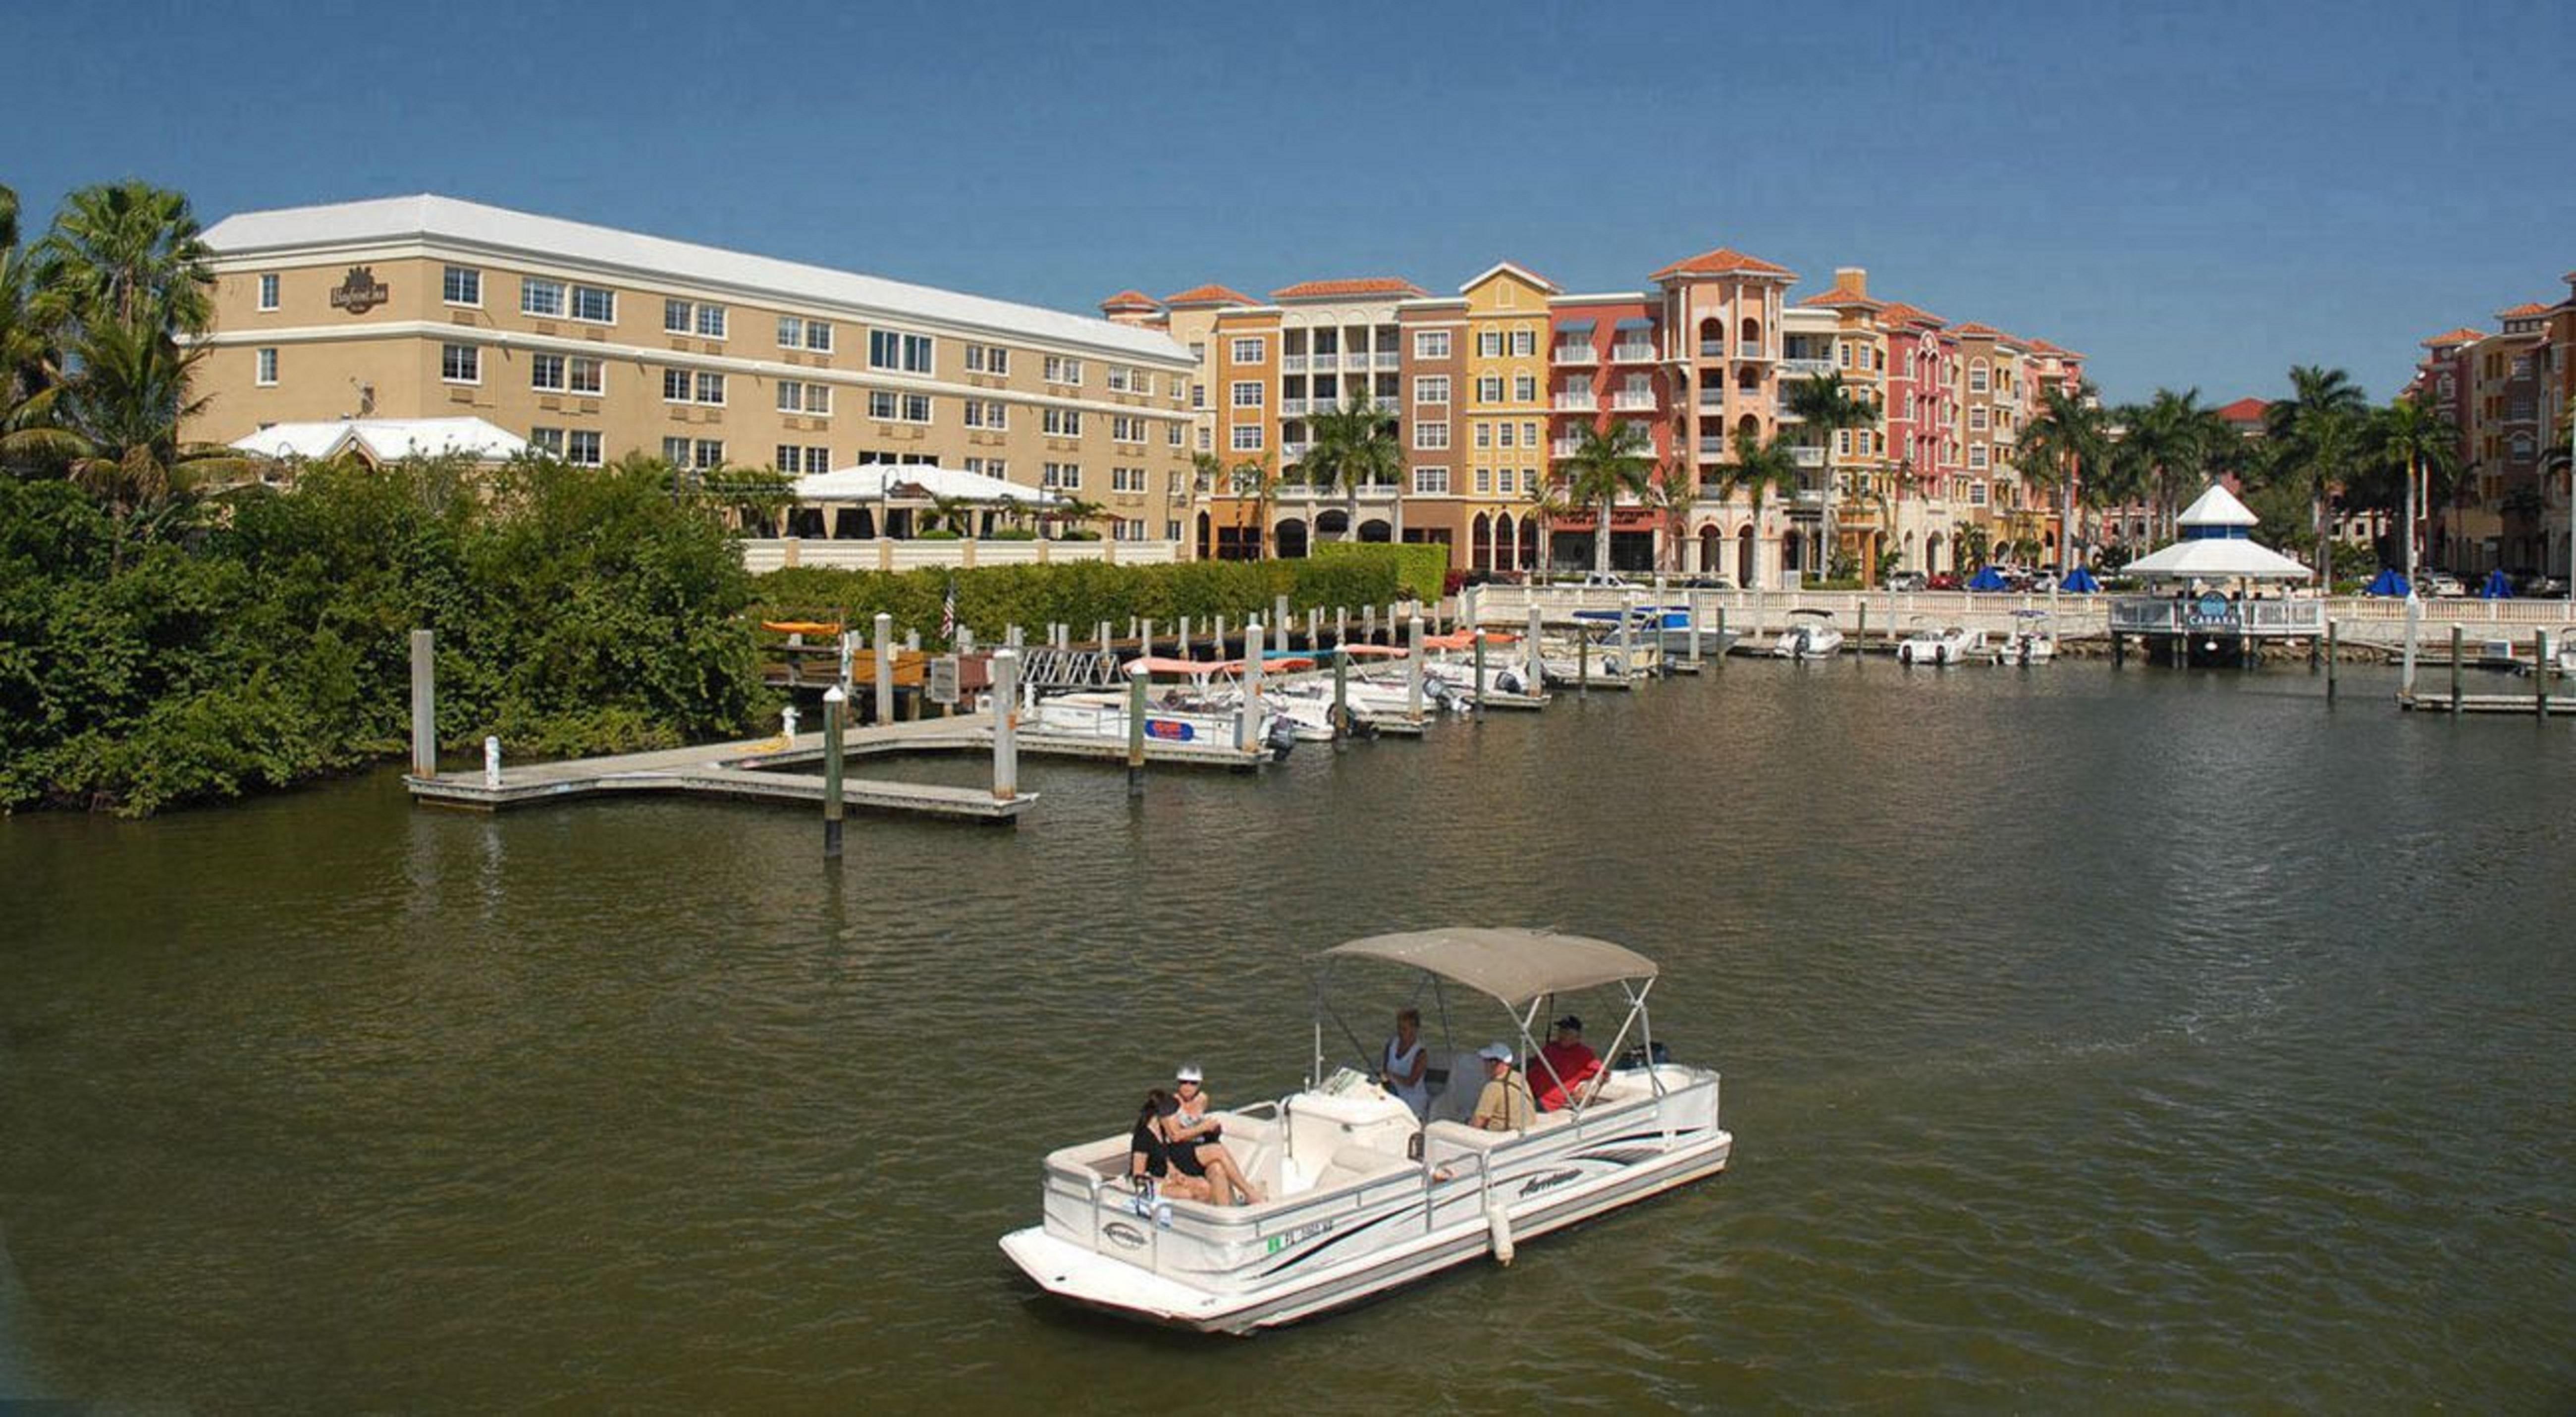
[1504, 1105]
[1197, 1146]
[1562, 1068]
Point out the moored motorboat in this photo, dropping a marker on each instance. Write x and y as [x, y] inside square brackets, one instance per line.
[1812, 634]
[1950, 644]
[1361, 1195]
[2029, 641]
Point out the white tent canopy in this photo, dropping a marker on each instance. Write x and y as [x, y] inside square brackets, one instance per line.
[384, 439]
[916, 482]
[2215, 547]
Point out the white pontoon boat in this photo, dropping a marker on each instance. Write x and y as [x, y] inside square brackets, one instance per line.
[1361, 1196]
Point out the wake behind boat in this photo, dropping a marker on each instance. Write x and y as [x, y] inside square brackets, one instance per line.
[1361, 1195]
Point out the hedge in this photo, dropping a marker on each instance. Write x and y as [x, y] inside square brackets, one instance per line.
[1420, 567]
[1082, 594]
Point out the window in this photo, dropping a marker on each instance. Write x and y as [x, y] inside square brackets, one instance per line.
[1977, 418]
[675, 451]
[711, 322]
[1247, 394]
[460, 364]
[1431, 344]
[1126, 479]
[709, 453]
[1431, 481]
[1489, 388]
[678, 387]
[1060, 474]
[1976, 455]
[1062, 422]
[1431, 388]
[267, 367]
[793, 458]
[1842, 442]
[1060, 370]
[1489, 344]
[711, 388]
[268, 291]
[1524, 388]
[1172, 433]
[549, 441]
[1977, 377]
[593, 305]
[1485, 481]
[798, 396]
[585, 373]
[892, 349]
[546, 372]
[898, 408]
[796, 332]
[543, 298]
[1484, 434]
[675, 316]
[1119, 382]
[1431, 437]
[1524, 343]
[1977, 490]
[1126, 429]
[1246, 438]
[1198, 395]
[1247, 349]
[582, 448]
[1505, 436]
[987, 413]
[987, 359]
[461, 285]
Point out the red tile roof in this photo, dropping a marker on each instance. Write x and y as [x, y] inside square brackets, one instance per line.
[1210, 295]
[1129, 300]
[2042, 346]
[1325, 289]
[1898, 312]
[2526, 308]
[2246, 410]
[1722, 262]
[2462, 335]
[1839, 298]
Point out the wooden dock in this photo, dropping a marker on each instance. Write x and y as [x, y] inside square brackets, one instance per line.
[2527, 705]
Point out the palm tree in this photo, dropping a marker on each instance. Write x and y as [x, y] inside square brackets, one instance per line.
[955, 514]
[1073, 508]
[2313, 435]
[2411, 441]
[1759, 468]
[1352, 448]
[30, 366]
[1826, 406]
[1609, 461]
[130, 253]
[2062, 448]
[1548, 502]
[1253, 478]
[1676, 490]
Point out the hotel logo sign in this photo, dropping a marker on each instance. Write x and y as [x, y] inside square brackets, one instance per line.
[359, 291]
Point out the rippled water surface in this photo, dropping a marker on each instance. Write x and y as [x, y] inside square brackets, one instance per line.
[2091, 1037]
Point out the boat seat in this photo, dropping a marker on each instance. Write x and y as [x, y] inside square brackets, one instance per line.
[1352, 1162]
[1457, 1101]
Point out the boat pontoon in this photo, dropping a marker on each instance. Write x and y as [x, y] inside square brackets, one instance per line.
[1361, 1196]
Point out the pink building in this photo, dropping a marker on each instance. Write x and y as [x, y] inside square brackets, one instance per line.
[1605, 367]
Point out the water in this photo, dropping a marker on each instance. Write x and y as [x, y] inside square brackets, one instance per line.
[2169, 1039]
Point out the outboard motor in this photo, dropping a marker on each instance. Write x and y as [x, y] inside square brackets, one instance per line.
[1508, 682]
[1282, 738]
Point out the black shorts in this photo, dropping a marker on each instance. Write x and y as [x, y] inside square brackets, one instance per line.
[1185, 1157]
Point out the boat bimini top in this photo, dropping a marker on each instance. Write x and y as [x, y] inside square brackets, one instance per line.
[1521, 969]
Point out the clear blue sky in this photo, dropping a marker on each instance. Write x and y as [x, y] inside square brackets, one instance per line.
[2193, 194]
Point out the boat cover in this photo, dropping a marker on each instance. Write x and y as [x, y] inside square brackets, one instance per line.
[1513, 965]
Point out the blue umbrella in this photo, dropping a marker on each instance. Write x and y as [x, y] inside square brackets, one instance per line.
[1987, 578]
[2387, 583]
[2498, 586]
[2079, 582]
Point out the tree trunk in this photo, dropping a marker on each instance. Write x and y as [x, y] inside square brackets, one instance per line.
[1601, 539]
[2410, 524]
[2325, 553]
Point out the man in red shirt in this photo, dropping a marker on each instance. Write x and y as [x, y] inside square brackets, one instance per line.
[1563, 1067]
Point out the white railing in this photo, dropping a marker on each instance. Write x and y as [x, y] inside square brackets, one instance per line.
[1712, 447]
[1625, 402]
[1712, 400]
[1712, 349]
[1578, 403]
[764, 554]
[1632, 354]
[1807, 457]
[1292, 364]
[1389, 359]
[1803, 367]
[1292, 407]
[1571, 354]
[1751, 349]
[2160, 615]
[1564, 447]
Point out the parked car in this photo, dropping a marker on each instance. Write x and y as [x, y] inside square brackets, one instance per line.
[1908, 580]
[1705, 583]
[1944, 581]
[1605, 580]
[2535, 584]
[2440, 583]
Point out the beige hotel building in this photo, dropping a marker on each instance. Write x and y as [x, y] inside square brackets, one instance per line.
[592, 343]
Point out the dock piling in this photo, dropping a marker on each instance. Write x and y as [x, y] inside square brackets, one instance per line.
[1692, 619]
[1862, 631]
[1185, 637]
[1341, 698]
[1531, 667]
[1479, 635]
[2540, 673]
[833, 703]
[1104, 637]
[1368, 624]
[491, 761]
[2330, 661]
[1146, 640]
[1220, 637]
[1006, 722]
[424, 703]
[1341, 624]
[1136, 730]
[1248, 731]
[2455, 668]
[1627, 635]
[1279, 617]
[884, 642]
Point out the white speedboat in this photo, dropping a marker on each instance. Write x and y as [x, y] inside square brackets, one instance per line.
[1509, 675]
[2029, 641]
[1361, 1196]
[1196, 701]
[1950, 644]
[1812, 634]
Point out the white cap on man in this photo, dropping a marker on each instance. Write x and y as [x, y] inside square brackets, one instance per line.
[1189, 1072]
[1495, 1053]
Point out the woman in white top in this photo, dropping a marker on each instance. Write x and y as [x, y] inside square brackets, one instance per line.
[1406, 1063]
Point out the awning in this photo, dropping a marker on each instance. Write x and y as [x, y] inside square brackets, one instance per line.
[876, 481]
[2217, 559]
[1988, 578]
[2079, 582]
[1636, 323]
[1574, 324]
[1514, 966]
[2387, 583]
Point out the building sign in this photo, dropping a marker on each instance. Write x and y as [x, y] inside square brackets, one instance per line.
[943, 679]
[359, 291]
[2211, 611]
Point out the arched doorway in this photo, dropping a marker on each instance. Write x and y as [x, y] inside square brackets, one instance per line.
[1332, 526]
[1935, 547]
[1712, 336]
[1290, 538]
[1376, 531]
[1749, 426]
[1507, 552]
[1480, 543]
[1752, 332]
[1744, 556]
[1712, 551]
[1207, 541]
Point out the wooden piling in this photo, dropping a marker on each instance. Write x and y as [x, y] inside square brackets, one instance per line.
[1478, 707]
[834, 702]
[2455, 668]
[2330, 661]
[424, 703]
[1136, 731]
[1862, 629]
[2540, 673]
[884, 642]
[1006, 722]
[1413, 669]
[1341, 697]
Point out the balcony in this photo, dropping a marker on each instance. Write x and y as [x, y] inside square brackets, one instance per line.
[1806, 368]
[1807, 457]
[1712, 447]
[1625, 402]
[1359, 360]
[1292, 364]
[1293, 408]
[1712, 349]
[1578, 403]
[1712, 400]
[1632, 354]
[1782, 413]
[1388, 359]
[1564, 447]
[1293, 451]
[1752, 349]
[1574, 355]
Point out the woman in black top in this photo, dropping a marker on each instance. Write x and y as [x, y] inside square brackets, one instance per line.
[1149, 1157]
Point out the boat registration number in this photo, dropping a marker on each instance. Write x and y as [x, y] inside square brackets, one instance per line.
[1299, 1236]
[1169, 731]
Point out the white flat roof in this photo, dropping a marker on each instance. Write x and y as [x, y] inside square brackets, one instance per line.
[428, 217]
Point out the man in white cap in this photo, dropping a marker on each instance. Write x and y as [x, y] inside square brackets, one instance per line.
[1504, 1105]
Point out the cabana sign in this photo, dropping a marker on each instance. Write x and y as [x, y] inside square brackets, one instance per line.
[359, 291]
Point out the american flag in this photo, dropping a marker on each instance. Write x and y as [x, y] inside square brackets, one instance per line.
[948, 613]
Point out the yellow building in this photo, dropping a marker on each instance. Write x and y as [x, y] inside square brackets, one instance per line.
[593, 343]
[1498, 436]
